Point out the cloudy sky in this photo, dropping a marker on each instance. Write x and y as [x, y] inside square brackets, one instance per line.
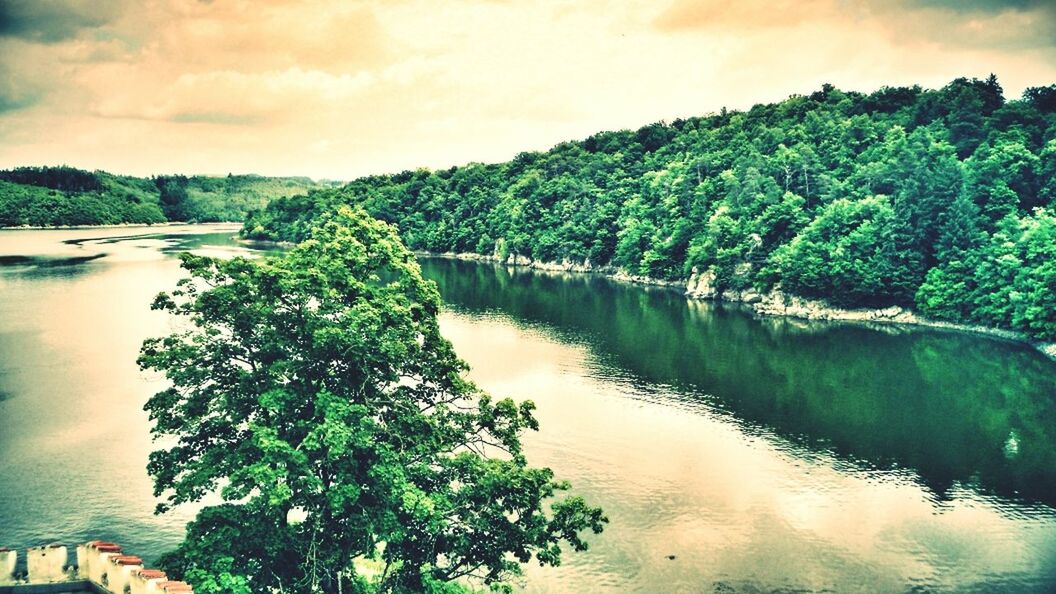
[338, 88]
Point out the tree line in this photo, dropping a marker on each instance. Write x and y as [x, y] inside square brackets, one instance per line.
[937, 199]
[54, 196]
[57, 196]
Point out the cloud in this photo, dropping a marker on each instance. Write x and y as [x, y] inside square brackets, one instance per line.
[13, 98]
[981, 24]
[683, 15]
[52, 21]
[95, 51]
[1006, 25]
[338, 88]
[15, 92]
[264, 36]
[236, 98]
[28, 76]
[983, 5]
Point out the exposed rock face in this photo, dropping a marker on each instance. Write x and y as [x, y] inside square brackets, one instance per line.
[701, 285]
[638, 279]
[563, 266]
[777, 303]
[519, 260]
[746, 296]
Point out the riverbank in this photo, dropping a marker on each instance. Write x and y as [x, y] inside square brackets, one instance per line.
[117, 226]
[772, 303]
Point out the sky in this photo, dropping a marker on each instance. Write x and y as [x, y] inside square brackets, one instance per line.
[338, 89]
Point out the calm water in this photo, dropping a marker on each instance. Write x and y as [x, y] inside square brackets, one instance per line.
[763, 454]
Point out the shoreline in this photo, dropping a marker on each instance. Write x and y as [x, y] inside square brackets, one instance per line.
[771, 304]
[114, 226]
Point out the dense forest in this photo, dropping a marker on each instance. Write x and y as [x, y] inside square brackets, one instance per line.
[942, 200]
[54, 196]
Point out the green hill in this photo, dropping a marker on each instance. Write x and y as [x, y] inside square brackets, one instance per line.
[57, 196]
[941, 200]
[52, 196]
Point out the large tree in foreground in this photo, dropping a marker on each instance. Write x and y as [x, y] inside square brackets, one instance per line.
[316, 386]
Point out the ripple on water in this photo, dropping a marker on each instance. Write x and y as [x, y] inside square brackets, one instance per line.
[762, 457]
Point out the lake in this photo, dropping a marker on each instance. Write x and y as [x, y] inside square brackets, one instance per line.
[731, 453]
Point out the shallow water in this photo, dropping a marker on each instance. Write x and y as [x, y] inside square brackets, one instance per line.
[762, 454]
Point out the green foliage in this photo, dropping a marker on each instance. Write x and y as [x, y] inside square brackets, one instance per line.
[723, 247]
[1047, 175]
[53, 196]
[733, 192]
[218, 579]
[67, 179]
[205, 199]
[1003, 178]
[225, 545]
[42, 207]
[1042, 98]
[56, 196]
[846, 255]
[1008, 281]
[319, 382]
[173, 196]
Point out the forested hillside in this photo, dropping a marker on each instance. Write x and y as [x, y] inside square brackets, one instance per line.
[53, 196]
[944, 200]
[50, 196]
[201, 198]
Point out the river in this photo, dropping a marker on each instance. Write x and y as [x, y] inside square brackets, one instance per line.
[731, 453]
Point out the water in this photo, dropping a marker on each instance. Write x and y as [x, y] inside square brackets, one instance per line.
[762, 454]
[74, 309]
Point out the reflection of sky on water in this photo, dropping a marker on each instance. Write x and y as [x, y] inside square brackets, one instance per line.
[57, 256]
[748, 510]
[941, 404]
[73, 436]
[755, 477]
[55, 248]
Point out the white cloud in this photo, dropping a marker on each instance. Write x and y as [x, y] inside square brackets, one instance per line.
[340, 89]
[233, 97]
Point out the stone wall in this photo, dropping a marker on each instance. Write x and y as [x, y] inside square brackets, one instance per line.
[99, 566]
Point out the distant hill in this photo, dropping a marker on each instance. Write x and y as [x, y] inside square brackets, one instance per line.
[57, 196]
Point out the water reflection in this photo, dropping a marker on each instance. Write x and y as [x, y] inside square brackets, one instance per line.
[769, 454]
[73, 436]
[942, 404]
[762, 454]
[741, 508]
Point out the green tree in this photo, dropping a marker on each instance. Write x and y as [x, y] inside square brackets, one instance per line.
[968, 102]
[173, 196]
[948, 288]
[723, 247]
[846, 255]
[1003, 178]
[1047, 173]
[318, 382]
[928, 180]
